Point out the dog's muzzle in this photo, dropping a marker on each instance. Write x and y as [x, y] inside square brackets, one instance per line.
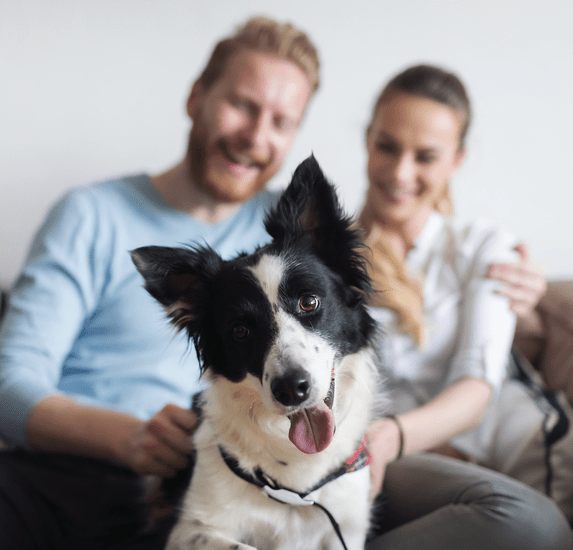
[311, 428]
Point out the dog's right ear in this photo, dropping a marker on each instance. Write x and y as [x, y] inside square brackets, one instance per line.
[178, 279]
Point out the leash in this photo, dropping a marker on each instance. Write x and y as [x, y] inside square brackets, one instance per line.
[274, 490]
[561, 426]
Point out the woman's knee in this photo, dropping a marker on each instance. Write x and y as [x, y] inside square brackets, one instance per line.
[517, 514]
[463, 499]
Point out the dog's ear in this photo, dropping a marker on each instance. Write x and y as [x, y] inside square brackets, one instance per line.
[309, 207]
[178, 278]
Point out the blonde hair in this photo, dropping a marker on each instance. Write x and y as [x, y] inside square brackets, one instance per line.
[267, 36]
[395, 287]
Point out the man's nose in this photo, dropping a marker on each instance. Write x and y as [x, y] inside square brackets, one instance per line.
[258, 132]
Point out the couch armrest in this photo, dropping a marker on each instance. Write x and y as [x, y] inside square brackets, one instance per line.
[546, 337]
[556, 362]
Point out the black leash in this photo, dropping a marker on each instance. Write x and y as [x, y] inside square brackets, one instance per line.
[559, 429]
[283, 495]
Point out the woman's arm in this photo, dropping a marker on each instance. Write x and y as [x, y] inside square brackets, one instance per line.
[454, 411]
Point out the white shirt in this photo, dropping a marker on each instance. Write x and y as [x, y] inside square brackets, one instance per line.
[469, 327]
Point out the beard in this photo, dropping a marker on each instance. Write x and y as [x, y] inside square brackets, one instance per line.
[218, 185]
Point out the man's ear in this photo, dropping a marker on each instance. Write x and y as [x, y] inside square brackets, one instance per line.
[194, 99]
[460, 158]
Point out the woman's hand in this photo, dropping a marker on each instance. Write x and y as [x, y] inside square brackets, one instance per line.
[384, 446]
[162, 445]
[524, 281]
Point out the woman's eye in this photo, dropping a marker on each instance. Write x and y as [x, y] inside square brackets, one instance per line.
[386, 147]
[308, 303]
[427, 158]
[240, 332]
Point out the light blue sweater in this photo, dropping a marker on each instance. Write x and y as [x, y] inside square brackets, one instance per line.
[80, 321]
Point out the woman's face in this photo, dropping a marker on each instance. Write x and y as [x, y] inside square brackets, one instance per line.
[413, 149]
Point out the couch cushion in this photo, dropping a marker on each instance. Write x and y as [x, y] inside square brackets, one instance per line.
[556, 361]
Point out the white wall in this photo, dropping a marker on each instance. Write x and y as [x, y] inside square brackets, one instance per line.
[94, 89]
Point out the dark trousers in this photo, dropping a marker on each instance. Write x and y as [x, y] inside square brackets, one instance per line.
[432, 502]
[57, 502]
[54, 502]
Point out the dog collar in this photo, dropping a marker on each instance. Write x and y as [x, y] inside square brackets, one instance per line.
[360, 458]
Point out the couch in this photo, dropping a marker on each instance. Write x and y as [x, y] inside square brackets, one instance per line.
[545, 337]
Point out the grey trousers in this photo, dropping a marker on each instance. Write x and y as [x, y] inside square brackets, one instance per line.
[432, 502]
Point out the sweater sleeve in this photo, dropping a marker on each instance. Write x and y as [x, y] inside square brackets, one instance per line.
[49, 303]
[486, 324]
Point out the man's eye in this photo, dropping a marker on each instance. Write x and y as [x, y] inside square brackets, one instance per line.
[240, 332]
[284, 124]
[308, 303]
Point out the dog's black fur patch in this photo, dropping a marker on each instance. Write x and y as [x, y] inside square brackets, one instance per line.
[220, 304]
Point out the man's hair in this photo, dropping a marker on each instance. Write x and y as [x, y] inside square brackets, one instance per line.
[265, 35]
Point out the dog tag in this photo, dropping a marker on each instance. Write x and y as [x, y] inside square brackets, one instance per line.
[286, 497]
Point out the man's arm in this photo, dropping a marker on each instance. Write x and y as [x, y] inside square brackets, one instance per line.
[524, 281]
[160, 446]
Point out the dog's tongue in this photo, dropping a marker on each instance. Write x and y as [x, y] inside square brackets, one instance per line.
[311, 430]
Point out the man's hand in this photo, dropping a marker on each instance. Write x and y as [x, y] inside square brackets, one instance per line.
[162, 445]
[524, 281]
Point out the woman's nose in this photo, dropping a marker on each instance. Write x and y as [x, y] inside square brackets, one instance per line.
[403, 169]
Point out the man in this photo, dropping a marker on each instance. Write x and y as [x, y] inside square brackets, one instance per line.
[94, 390]
[86, 357]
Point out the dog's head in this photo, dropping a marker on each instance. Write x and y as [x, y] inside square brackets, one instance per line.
[284, 315]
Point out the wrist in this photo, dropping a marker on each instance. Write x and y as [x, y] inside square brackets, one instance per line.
[401, 440]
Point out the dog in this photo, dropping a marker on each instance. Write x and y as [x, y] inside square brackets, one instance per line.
[286, 346]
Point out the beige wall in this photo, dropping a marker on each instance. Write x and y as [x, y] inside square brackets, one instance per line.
[90, 90]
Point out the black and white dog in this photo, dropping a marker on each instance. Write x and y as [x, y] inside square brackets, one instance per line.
[285, 341]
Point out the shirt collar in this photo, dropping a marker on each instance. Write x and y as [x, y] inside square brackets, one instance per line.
[417, 254]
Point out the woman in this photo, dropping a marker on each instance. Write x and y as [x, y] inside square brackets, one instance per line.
[448, 334]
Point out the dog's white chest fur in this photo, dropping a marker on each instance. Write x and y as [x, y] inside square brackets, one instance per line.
[222, 511]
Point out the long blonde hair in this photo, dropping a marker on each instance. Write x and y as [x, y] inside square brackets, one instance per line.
[395, 287]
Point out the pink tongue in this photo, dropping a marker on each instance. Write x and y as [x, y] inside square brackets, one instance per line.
[311, 430]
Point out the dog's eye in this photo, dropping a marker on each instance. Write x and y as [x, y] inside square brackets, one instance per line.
[240, 332]
[308, 303]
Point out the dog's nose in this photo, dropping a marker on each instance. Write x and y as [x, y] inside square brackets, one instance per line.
[291, 388]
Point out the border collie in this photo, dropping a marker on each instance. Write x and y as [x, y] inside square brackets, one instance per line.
[285, 343]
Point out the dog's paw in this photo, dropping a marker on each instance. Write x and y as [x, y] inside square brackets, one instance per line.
[204, 541]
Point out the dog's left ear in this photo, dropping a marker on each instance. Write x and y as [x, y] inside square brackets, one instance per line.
[309, 207]
[178, 279]
[166, 273]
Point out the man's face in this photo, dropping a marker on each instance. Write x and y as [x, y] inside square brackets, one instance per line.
[244, 124]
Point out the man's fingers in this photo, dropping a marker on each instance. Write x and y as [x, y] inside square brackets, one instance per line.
[186, 419]
[171, 434]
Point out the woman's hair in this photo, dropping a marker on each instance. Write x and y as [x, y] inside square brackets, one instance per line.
[395, 288]
[265, 35]
[433, 83]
